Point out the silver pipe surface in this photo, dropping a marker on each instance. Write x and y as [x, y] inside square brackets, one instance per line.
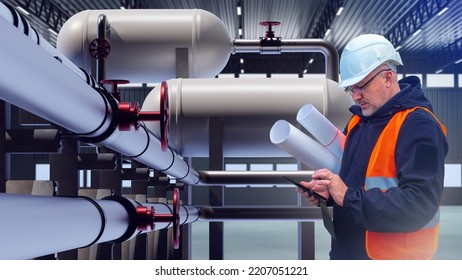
[8, 13]
[62, 97]
[274, 213]
[211, 177]
[34, 226]
[296, 45]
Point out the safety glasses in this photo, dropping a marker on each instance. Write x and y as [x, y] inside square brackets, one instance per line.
[360, 89]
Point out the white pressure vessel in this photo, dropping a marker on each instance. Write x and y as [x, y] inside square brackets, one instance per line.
[249, 108]
[143, 43]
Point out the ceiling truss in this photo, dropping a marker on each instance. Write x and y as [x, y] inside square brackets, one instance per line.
[420, 14]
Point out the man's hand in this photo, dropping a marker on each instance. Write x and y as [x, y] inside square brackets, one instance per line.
[313, 200]
[327, 184]
[324, 180]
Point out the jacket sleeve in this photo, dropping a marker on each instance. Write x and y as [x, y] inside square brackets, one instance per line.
[420, 151]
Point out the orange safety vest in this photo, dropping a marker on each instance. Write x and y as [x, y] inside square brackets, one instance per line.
[381, 173]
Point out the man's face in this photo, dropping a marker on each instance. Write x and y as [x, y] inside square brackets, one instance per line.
[371, 93]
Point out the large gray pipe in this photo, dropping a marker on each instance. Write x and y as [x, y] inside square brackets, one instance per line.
[63, 97]
[249, 108]
[33, 226]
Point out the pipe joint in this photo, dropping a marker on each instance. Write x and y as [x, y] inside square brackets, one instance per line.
[131, 116]
[270, 44]
[109, 123]
[146, 218]
[130, 207]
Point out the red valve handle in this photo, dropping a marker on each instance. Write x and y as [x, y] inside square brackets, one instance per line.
[99, 48]
[131, 116]
[270, 24]
[176, 218]
[114, 92]
[147, 217]
[164, 116]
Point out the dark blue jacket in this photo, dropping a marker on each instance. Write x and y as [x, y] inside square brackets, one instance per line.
[420, 151]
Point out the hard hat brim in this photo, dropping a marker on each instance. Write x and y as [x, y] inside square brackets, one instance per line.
[395, 59]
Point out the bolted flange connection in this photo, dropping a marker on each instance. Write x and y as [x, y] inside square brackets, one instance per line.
[131, 116]
[146, 218]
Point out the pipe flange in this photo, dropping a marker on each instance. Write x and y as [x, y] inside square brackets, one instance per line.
[113, 113]
[132, 216]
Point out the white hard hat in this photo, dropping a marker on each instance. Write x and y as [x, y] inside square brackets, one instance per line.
[362, 55]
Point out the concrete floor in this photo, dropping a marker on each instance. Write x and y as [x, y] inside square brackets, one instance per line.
[278, 240]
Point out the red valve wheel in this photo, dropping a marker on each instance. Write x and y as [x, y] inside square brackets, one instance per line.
[115, 82]
[164, 116]
[270, 24]
[176, 218]
[99, 48]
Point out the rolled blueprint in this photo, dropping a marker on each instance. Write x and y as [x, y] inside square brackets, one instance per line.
[302, 147]
[322, 129]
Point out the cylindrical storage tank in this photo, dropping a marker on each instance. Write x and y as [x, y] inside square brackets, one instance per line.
[249, 108]
[143, 43]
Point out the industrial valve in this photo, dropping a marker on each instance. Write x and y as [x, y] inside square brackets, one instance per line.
[99, 48]
[270, 33]
[131, 116]
[270, 44]
[114, 83]
[146, 218]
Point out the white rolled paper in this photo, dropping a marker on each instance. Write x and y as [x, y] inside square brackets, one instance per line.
[322, 129]
[290, 139]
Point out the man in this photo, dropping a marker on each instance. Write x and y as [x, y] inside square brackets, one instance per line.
[386, 196]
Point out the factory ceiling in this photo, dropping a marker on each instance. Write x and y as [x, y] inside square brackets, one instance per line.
[419, 28]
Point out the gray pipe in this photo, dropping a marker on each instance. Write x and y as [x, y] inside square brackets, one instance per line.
[34, 226]
[211, 177]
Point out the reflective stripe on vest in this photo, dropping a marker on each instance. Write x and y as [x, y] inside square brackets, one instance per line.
[382, 183]
[381, 173]
[385, 183]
